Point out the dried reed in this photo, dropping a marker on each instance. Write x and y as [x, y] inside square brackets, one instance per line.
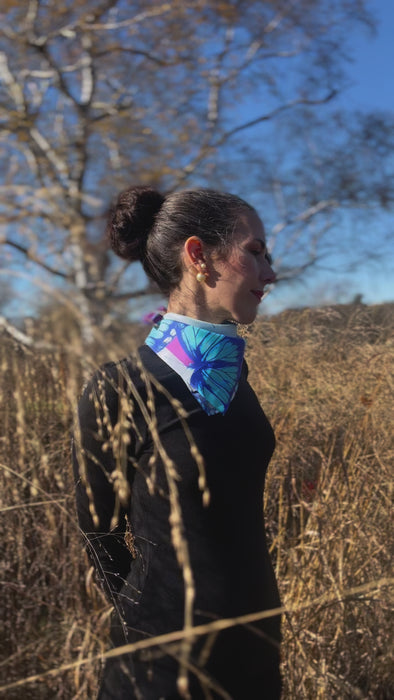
[325, 379]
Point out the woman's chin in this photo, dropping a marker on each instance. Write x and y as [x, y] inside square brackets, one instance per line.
[245, 319]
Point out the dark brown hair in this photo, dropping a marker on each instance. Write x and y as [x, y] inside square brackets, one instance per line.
[148, 226]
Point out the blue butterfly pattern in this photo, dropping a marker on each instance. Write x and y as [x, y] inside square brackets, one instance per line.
[210, 363]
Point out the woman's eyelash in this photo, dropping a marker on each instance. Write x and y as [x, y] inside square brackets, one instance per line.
[267, 255]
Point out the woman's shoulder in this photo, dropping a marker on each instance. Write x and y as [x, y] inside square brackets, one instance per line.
[109, 382]
[111, 373]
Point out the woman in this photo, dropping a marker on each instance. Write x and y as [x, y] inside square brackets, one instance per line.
[170, 459]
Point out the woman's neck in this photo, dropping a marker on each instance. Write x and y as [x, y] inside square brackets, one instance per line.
[194, 306]
[228, 329]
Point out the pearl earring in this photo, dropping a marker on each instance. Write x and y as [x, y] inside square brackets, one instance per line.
[201, 276]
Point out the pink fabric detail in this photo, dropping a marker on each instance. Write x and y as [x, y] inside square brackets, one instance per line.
[176, 349]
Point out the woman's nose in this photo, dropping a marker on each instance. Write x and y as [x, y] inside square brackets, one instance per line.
[268, 274]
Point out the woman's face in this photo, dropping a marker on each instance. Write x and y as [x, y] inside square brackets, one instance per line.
[235, 283]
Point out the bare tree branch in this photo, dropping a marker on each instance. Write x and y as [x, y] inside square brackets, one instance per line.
[34, 258]
[135, 52]
[306, 215]
[59, 165]
[296, 271]
[274, 113]
[11, 84]
[162, 9]
[103, 95]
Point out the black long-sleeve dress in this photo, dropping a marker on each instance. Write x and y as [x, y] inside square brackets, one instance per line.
[230, 563]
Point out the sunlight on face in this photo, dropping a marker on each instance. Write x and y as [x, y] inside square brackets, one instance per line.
[237, 284]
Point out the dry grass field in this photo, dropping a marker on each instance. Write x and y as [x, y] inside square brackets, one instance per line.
[325, 379]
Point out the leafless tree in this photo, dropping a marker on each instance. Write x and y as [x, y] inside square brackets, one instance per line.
[98, 94]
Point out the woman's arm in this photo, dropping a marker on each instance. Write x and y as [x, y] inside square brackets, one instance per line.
[101, 518]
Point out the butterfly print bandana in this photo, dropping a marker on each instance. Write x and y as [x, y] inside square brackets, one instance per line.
[208, 362]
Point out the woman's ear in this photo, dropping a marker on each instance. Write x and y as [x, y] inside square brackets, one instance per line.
[193, 250]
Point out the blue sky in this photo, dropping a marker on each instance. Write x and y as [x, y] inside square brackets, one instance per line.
[371, 75]
[372, 70]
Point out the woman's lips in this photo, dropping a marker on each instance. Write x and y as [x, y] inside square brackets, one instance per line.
[258, 294]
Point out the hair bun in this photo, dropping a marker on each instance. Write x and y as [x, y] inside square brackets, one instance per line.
[131, 219]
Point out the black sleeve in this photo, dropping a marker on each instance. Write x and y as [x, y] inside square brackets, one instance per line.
[101, 515]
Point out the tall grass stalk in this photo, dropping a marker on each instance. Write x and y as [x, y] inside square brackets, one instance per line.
[325, 380]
